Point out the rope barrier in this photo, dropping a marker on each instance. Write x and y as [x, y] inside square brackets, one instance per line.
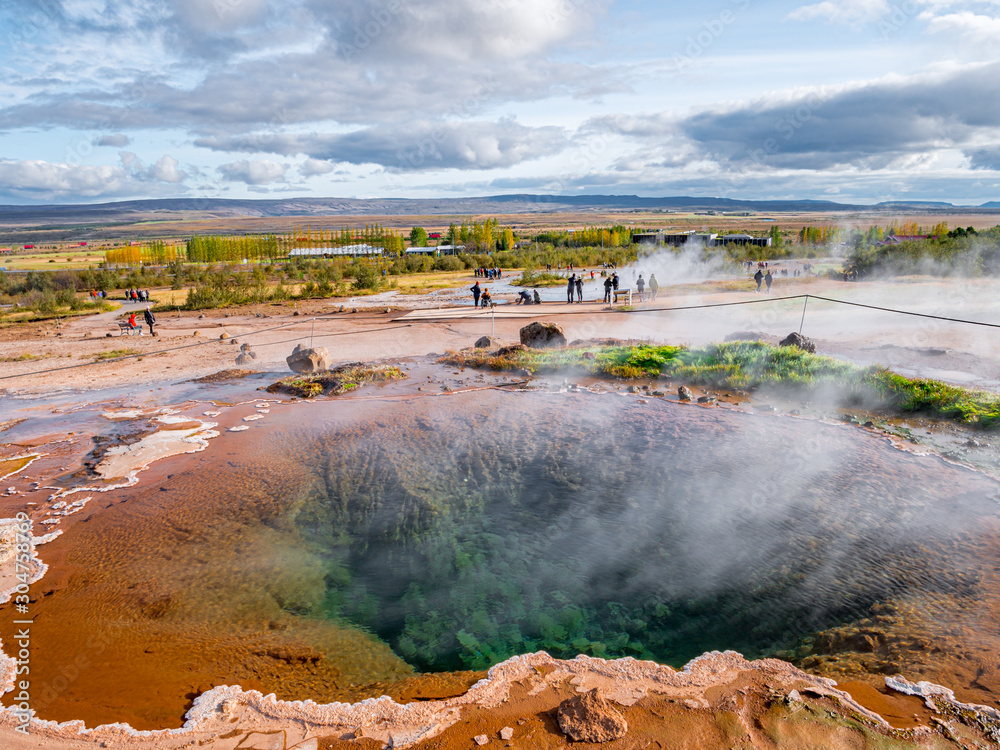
[415, 321]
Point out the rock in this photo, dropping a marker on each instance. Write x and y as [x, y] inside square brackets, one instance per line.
[107, 335]
[305, 360]
[542, 335]
[590, 718]
[684, 393]
[234, 341]
[797, 339]
[246, 355]
[633, 389]
[295, 314]
[659, 393]
[388, 310]
[504, 351]
[486, 342]
[589, 355]
[507, 733]
[706, 399]
[223, 336]
[480, 739]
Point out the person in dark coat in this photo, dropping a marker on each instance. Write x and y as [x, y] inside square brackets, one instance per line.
[579, 288]
[537, 297]
[758, 277]
[614, 281]
[768, 278]
[607, 289]
[148, 315]
[475, 294]
[570, 288]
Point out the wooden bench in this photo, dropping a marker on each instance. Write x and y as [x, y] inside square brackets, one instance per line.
[124, 327]
[626, 293]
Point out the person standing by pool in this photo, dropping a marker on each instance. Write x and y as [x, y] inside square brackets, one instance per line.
[758, 277]
[475, 294]
[768, 278]
[570, 288]
[579, 288]
[148, 316]
[640, 285]
[653, 286]
[607, 290]
[614, 281]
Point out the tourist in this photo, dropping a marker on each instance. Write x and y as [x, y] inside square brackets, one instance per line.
[132, 324]
[653, 286]
[148, 315]
[614, 281]
[524, 297]
[607, 290]
[579, 288]
[538, 297]
[570, 287]
[475, 294]
[485, 300]
[758, 277]
[768, 278]
[640, 285]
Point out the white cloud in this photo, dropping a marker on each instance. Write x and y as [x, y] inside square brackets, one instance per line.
[851, 12]
[972, 26]
[254, 171]
[413, 146]
[165, 170]
[314, 167]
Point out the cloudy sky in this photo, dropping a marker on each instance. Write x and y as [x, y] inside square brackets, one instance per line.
[847, 100]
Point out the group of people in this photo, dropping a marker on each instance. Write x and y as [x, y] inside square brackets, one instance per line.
[654, 286]
[489, 273]
[575, 284]
[527, 298]
[147, 315]
[137, 295]
[766, 278]
[98, 294]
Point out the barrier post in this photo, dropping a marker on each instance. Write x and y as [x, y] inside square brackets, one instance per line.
[803, 321]
[311, 332]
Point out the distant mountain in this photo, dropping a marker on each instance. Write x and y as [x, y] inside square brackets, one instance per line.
[125, 212]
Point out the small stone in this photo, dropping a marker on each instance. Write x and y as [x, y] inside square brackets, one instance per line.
[642, 401]
[706, 399]
[234, 341]
[481, 739]
[633, 389]
[295, 314]
[223, 336]
[659, 393]
[506, 733]
[589, 355]
[684, 393]
[388, 310]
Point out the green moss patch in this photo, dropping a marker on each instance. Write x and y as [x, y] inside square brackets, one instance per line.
[751, 365]
[339, 380]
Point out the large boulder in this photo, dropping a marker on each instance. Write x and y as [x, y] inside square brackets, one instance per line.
[590, 718]
[797, 339]
[304, 360]
[542, 335]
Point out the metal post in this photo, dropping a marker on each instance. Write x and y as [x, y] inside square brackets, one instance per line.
[803, 321]
[311, 332]
[493, 324]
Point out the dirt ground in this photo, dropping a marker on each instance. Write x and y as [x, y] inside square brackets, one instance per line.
[722, 702]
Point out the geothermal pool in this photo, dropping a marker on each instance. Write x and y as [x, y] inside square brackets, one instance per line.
[336, 548]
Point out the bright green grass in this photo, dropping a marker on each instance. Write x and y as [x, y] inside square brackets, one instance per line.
[751, 365]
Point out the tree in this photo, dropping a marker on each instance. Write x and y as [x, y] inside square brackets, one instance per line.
[418, 237]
